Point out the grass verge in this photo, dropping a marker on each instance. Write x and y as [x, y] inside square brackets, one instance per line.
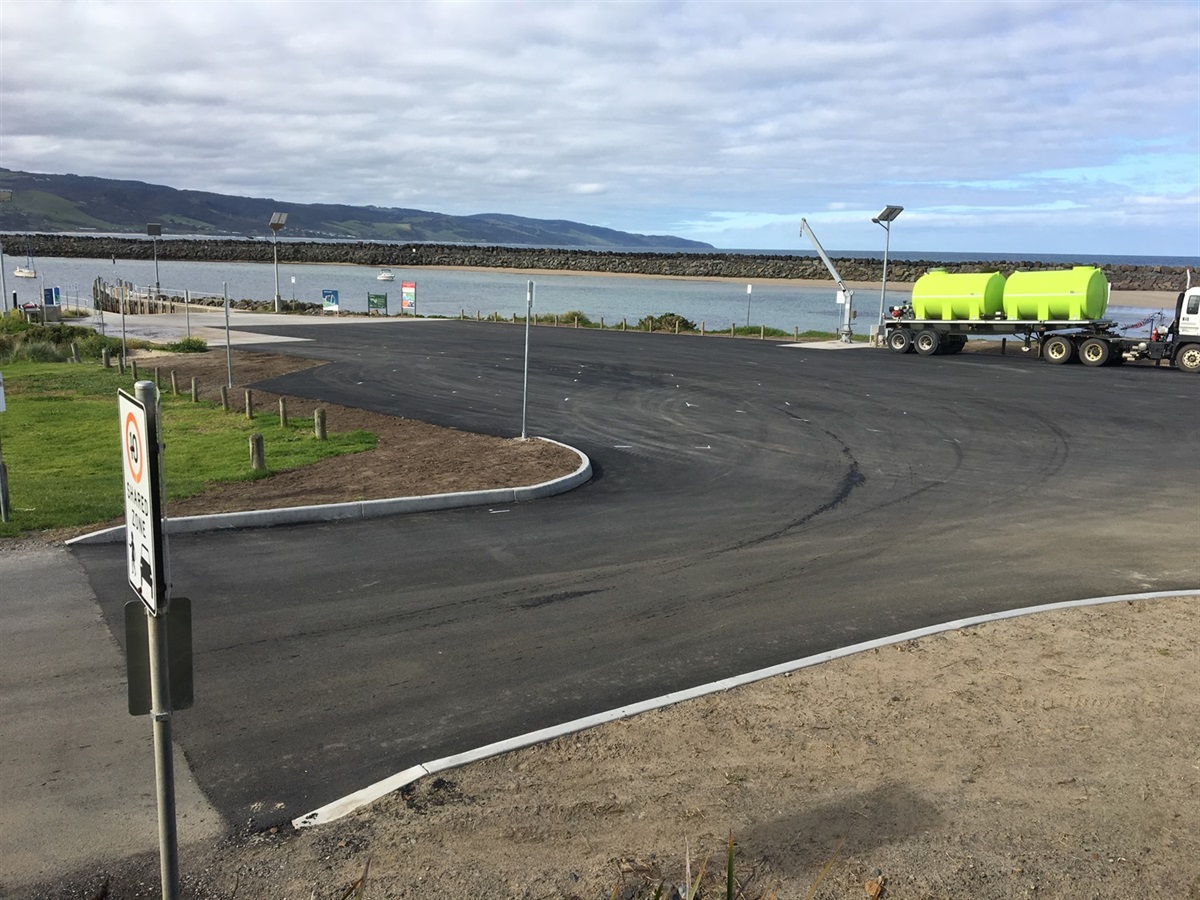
[61, 444]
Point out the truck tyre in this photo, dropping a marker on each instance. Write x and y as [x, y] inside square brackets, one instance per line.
[900, 340]
[1095, 352]
[928, 342]
[1058, 350]
[1188, 358]
[955, 343]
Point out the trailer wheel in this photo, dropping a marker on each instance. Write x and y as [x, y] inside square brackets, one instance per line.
[927, 342]
[1188, 358]
[1095, 352]
[900, 340]
[955, 343]
[1058, 350]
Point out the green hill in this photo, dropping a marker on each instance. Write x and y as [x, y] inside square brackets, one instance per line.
[72, 203]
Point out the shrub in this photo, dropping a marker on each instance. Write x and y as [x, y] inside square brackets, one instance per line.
[37, 351]
[189, 345]
[668, 321]
[569, 317]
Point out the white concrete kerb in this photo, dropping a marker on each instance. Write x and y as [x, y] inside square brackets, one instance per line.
[360, 509]
[351, 802]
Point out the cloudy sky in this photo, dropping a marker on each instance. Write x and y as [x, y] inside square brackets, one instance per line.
[1051, 127]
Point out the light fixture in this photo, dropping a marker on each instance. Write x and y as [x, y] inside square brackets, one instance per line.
[884, 220]
[278, 220]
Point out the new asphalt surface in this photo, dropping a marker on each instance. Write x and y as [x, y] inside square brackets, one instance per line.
[752, 503]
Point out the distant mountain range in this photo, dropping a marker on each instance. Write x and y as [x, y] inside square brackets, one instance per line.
[79, 203]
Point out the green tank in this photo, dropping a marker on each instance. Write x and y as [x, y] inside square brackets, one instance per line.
[1074, 294]
[940, 295]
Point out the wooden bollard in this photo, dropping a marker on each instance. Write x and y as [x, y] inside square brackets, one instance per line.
[577, 321]
[174, 384]
[74, 352]
[195, 391]
[1003, 346]
[701, 329]
[106, 357]
[258, 460]
[796, 333]
[762, 332]
[225, 398]
[319, 424]
[623, 324]
[677, 326]
[121, 363]
[282, 412]
[133, 365]
[158, 378]
[732, 326]
[249, 404]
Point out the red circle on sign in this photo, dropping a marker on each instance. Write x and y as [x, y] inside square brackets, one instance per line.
[136, 467]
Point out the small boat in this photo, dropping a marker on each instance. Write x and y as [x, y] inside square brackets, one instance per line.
[27, 270]
[385, 275]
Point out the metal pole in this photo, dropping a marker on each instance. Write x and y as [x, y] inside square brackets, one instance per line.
[121, 295]
[525, 388]
[748, 289]
[228, 347]
[4, 510]
[3, 287]
[887, 227]
[187, 311]
[156, 281]
[160, 697]
[275, 248]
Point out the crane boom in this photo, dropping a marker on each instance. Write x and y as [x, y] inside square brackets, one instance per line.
[845, 296]
[804, 226]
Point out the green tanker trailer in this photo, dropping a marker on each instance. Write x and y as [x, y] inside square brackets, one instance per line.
[1060, 313]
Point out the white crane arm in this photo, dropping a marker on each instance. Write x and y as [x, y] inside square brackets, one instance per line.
[805, 227]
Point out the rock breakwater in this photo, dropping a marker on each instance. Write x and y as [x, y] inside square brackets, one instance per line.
[692, 265]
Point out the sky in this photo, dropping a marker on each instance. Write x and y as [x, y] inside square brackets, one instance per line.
[1037, 127]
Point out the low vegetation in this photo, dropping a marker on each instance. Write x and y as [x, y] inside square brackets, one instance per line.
[60, 441]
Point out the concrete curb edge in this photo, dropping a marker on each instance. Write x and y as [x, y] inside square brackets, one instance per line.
[351, 802]
[360, 509]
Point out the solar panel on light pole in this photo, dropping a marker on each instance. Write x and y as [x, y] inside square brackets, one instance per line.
[278, 220]
[884, 220]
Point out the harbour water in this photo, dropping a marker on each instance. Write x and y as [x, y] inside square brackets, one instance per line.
[451, 292]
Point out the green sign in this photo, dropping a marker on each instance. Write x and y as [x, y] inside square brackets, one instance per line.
[377, 301]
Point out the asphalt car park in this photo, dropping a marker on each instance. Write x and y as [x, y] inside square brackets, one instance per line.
[752, 503]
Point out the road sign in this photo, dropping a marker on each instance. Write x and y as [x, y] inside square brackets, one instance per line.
[143, 502]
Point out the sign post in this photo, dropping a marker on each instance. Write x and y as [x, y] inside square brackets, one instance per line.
[525, 377]
[146, 558]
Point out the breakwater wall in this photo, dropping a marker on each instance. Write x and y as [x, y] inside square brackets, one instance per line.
[693, 265]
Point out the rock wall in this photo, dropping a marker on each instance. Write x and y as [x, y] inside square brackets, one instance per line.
[703, 265]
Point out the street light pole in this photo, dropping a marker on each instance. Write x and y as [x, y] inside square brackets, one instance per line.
[884, 220]
[154, 230]
[5, 197]
[278, 220]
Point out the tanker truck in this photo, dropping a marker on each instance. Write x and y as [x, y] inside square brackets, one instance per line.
[1058, 313]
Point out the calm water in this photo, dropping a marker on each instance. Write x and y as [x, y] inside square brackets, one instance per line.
[447, 292]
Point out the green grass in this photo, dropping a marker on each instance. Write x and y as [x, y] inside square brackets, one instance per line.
[61, 443]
